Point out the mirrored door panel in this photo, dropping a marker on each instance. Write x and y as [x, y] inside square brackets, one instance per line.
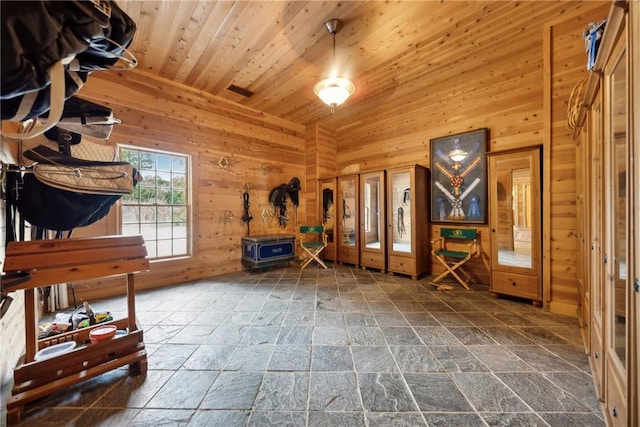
[597, 290]
[617, 199]
[372, 210]
[327, 189]
[373, 224]
[400, 214]
[597, 278]
[515, 201]
[348, 211]
[348, 216]
[617, 240]
[327, 197]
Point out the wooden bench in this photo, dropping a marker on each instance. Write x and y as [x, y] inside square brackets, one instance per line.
[67, 260]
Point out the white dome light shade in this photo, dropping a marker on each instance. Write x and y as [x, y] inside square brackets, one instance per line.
[333, 91]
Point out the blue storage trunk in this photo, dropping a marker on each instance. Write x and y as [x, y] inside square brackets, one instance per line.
[268, 249]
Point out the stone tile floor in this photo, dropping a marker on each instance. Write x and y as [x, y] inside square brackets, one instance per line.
[337, 347]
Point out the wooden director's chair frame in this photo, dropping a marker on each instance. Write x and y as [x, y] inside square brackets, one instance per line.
[454, 260]
[313, 248]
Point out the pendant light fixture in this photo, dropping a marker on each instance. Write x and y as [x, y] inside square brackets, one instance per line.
[334, 90]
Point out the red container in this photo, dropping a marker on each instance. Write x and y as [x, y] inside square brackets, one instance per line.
[103, 333]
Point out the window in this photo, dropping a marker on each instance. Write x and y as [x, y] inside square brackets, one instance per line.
[158, 208]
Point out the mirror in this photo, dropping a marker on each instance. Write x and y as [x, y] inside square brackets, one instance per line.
[515, 205]
[597, 290]
[372, 202]
[348, 209]
[618, 196]
[326, 189]
[400, 184]
[514, 215]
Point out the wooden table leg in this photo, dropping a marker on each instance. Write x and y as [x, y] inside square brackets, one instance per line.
[30, 324]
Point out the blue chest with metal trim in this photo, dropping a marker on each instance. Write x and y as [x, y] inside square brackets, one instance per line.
[268, 249]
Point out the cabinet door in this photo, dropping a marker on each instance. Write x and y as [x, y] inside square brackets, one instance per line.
[514, 194]
[634, 191]
[372, 220]
[348, 243]
[400, 213]
[327, 192]
[596, 277]
[407, 221]
[616, 219]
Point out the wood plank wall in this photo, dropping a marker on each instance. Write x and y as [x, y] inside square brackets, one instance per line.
[566, 66]
[262, 152]
[504, 94]
[321, 157]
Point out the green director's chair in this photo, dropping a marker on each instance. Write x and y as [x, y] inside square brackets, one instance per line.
[312, 240]
[453, 260]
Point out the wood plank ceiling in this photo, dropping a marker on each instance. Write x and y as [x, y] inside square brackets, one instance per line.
[393, 52]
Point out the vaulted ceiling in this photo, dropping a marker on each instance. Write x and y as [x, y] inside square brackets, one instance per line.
[393, 51]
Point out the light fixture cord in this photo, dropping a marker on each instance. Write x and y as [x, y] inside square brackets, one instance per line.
[333, 107]
[334, 48]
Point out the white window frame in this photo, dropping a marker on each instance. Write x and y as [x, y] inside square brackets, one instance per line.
[165, 239]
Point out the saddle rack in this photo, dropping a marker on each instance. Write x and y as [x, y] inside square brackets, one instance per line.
[66, 260]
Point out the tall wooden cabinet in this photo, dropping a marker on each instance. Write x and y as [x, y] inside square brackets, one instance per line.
[407, 221]
[373, 225]
[379, 219]
[609, 133]
[348, 220]
[514, 221]
[617, 230]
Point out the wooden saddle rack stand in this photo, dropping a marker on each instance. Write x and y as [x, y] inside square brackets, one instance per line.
[68, 260]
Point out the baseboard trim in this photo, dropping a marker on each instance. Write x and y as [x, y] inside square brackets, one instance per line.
[564, 308]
